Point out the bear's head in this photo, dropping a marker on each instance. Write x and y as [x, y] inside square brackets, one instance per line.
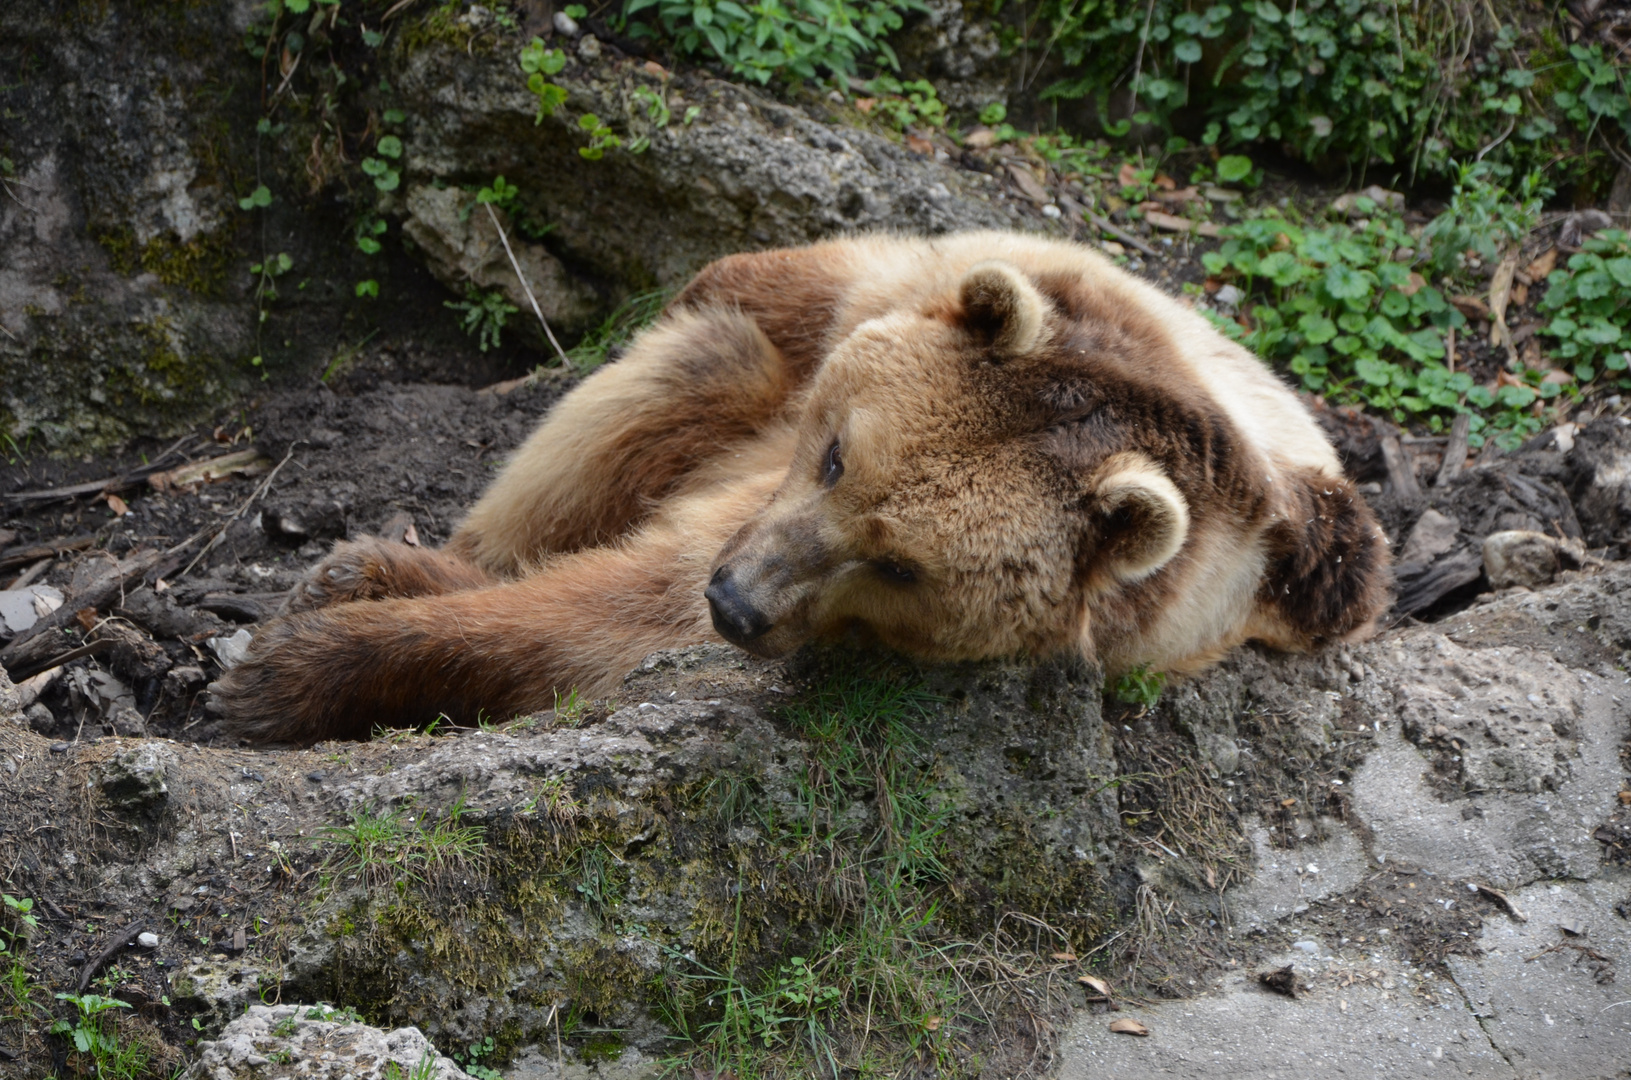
[960, 489]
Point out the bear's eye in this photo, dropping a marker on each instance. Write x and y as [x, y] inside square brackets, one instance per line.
[896, 572]
[834, 467]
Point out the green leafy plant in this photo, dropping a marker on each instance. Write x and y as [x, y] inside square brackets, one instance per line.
[471, 1062]
[1342, 306]
[257, 199]
[1590, 307]
[601, 138]
[1483, 218]
[788, 39]
[908, 104]
[539, 63]
[1412, 87]
[500, 193]
[385, 177]
[1140, 686]
[483, 315]
[95, 1036]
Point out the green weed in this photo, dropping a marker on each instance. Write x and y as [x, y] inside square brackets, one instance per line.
[786, 39]
[627, 319]
[1140, 686]
[876, 983]
[398, 848]
[95, 1037]
[484, 315]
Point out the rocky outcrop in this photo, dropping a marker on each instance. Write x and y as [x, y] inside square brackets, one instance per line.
[122, 300]
[276, 1041]
[724, 168]
[138, 137]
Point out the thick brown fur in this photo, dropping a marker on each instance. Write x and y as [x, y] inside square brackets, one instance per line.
[970, 447]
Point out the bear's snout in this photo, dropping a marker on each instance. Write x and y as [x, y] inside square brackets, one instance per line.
[735, 617]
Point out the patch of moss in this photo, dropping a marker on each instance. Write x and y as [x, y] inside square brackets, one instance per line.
[200, 265]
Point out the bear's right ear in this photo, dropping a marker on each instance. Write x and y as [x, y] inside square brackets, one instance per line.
[1001, 308]
[1145, 519]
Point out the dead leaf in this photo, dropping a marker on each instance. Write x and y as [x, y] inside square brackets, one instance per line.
[1625, 798]
[1127, 175]
[1502, 899]
[1471, 306]
[1098, 986]
[1064, 957]
[919, 145]
[1287, 804]
[1124, 1026]
[1212, 285]
[86, 618]
[117, 505]
[1520, 295]
[1179, 224]
[1413, 284]
[656, 69]
[1500, 294]
[866, 104]
[1165, 182]
[1178, 198]
[1543, 265]
[932, 1023]
[1028, 184]
[980, 138]
[1281, 980]
[249, 462]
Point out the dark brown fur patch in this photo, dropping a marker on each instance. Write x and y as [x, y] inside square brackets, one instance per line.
[794, 296]
[1328, 571]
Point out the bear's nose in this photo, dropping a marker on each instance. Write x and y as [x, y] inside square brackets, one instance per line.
[737, 620]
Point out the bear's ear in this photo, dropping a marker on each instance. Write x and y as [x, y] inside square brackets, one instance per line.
[1001, 308]
[1145, 519]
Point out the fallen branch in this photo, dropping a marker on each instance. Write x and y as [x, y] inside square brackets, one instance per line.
[50, 550]
[20, 654]
[536, 310]
[130, 479]
[1121, 234]
[221, 530]
[119, 940]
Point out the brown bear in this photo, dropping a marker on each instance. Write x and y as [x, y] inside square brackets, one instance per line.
[974, 446]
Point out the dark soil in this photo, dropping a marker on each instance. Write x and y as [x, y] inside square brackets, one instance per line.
[349, 459]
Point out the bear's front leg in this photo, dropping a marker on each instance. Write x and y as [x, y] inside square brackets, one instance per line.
[373, 568]
[491, 653]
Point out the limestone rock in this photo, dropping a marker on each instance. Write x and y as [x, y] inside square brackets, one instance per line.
[744, 172]
[215, 992]
[462, 248]
[1519, 557]
[136, 779]
[11, 702]
[278, 1041]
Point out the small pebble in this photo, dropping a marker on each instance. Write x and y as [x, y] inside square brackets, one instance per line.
[1052, 211]
[147, 939]
[1312, 948]
[566, 24]
[59, 748]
